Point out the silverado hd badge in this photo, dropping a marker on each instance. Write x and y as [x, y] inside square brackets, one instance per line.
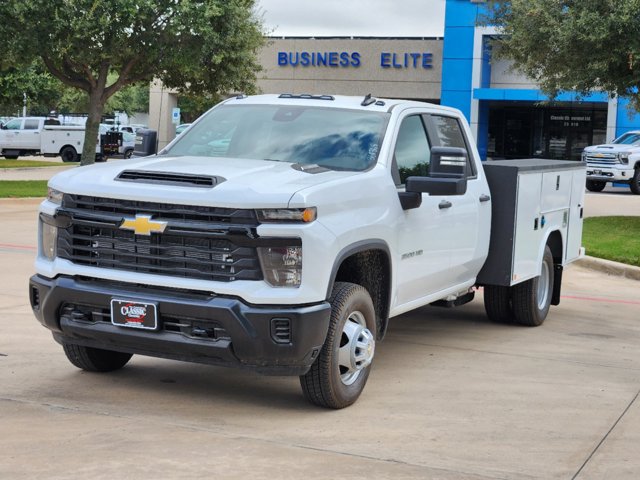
[143, 225]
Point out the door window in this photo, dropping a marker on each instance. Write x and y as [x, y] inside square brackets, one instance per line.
[449, 134]
[412, 154]
[31, 124]
[14, 124]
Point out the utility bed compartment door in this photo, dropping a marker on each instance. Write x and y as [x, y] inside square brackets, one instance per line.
[556, 190]
[527, 234]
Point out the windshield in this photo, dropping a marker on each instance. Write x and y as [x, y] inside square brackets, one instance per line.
[628, 139]
[332, 138]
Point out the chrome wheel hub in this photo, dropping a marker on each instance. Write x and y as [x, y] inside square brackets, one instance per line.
[543, 286]
[357, 348]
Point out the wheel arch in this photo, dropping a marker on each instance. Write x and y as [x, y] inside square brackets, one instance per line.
[367, 263]
[67, 145]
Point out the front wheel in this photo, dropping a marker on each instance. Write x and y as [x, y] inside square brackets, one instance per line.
[595, 185]
[338, 376]
[635, 182]
[95, 359]
[531, 300]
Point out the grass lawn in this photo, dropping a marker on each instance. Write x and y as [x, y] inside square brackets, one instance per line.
[613, 238]
[4, 163]
[23, 188]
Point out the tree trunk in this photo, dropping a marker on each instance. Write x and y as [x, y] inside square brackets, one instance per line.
[91, 135]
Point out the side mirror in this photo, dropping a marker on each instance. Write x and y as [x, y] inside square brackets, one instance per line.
[447, 173]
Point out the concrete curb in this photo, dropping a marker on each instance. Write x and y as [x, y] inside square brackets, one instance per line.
[610, 268]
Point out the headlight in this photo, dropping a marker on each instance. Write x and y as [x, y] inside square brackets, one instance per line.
[623, 158]
[287, 215]
[49, 240]
[54, 196]
[584, 156]
[282, 266]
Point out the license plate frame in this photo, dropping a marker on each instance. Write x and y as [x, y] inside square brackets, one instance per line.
[136, 314]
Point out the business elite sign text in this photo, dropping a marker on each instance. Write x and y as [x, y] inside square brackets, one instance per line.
[404, 60]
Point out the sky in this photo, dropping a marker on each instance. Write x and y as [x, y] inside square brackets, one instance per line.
[353, 18]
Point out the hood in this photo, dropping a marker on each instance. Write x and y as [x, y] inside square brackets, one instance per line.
[249, 183]
[612, 148]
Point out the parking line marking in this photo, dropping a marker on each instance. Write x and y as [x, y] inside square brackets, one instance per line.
[19, 247]
[602, 300]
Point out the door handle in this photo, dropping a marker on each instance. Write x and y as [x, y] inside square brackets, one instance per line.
[445, 204]
[484, 198]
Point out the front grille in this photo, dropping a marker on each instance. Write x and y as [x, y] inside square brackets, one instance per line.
[602, 158]
[199, 242]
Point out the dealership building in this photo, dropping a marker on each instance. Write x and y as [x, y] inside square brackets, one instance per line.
[509, 115]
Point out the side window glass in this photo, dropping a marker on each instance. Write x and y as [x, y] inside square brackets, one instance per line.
[14, 124]
[31, 124]
[450, 134]
[412, 154]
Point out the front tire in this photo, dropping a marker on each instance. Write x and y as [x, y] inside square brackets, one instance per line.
[95, 359]
[595, 185]
[338, 376]
[635, 182]
[531, 300]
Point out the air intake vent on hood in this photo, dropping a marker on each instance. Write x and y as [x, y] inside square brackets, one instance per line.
[168, 178]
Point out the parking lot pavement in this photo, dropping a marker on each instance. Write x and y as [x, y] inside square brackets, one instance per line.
[451, 396]
[612, 201]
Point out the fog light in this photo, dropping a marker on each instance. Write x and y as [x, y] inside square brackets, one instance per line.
[281, 266]
[49, 240]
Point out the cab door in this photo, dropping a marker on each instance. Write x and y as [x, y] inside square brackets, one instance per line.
[11, 134]
[469, 215]
[423, 233]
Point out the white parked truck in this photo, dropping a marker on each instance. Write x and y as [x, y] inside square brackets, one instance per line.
[45, 136]
[281, 233]
[615, 162]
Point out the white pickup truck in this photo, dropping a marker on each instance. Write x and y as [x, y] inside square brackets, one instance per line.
[615, 162]
[281, 233]
[40, 136]
[45, 136]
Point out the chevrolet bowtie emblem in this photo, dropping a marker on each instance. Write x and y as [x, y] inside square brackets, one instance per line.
[143, 225]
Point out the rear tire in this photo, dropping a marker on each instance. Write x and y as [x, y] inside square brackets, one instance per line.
[595, 185]
[338, 376]
[11, 157]
[69, 154]
[635, 182]
[95, 359]
[531, 300]
[497, 303]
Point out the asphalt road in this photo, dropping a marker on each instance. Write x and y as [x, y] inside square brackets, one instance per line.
[451, 396]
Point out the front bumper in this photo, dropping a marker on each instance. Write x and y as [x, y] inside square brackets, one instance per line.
[609, 174]
[192, 327]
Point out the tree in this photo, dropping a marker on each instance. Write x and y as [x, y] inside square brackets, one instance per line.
[198, 46]
[580, 45]
[43, 91]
